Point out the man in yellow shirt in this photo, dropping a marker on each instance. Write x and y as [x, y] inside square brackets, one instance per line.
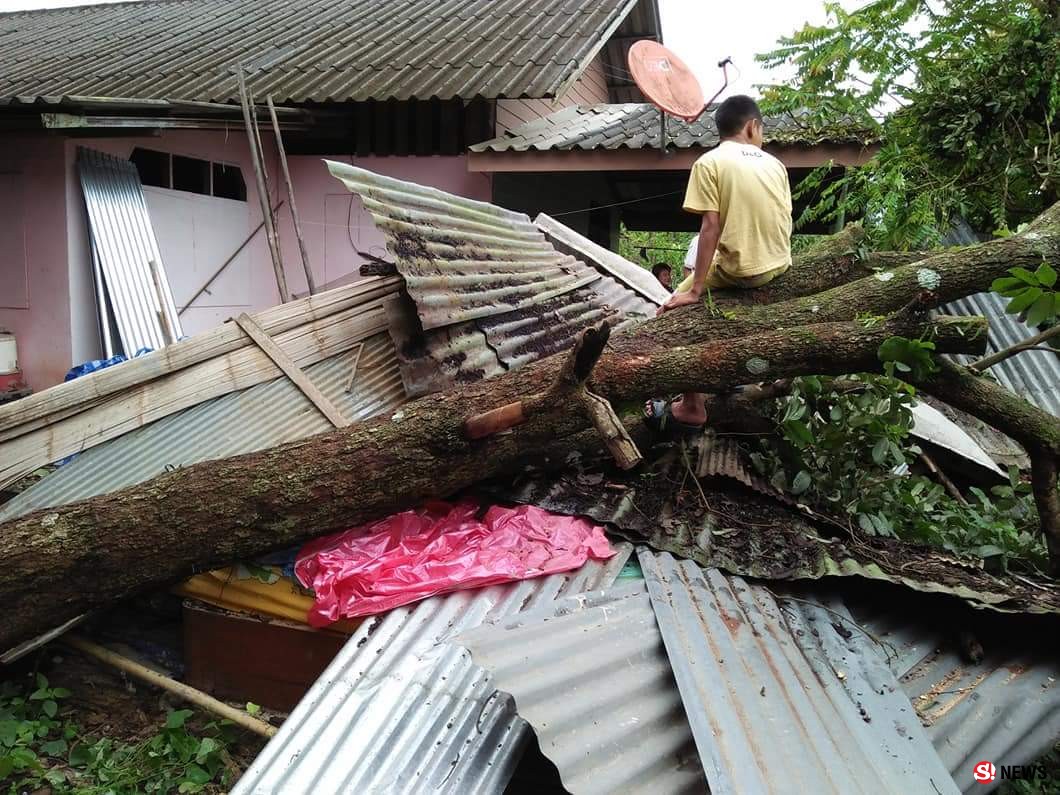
[744, 198]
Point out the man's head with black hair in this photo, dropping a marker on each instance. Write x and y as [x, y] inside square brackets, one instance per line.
[663, 272]
[740, 118]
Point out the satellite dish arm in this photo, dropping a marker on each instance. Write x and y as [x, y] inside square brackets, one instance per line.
[724, 66]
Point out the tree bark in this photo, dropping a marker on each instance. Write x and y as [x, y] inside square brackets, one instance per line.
[61, 562]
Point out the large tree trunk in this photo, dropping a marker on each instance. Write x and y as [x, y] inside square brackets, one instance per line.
[61, 562]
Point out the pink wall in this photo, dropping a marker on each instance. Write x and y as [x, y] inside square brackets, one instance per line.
[34, 291]
[334, 224]
[59, 328]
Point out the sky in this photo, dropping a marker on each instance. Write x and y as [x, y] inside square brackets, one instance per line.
[700, 32]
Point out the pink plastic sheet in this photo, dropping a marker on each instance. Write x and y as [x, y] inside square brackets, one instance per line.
[440, 547]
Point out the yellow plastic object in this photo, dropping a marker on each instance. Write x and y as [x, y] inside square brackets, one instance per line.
[234, 588]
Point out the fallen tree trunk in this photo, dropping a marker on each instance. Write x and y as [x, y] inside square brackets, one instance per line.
[62, 562]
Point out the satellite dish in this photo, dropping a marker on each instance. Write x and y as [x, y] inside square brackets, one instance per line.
[665, 80]
[669, 84]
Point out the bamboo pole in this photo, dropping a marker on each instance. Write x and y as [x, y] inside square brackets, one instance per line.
[263, 194]
[290, 196]
[179, 689]
[168, 335]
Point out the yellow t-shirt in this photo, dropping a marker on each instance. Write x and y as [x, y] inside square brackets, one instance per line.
[749, 189]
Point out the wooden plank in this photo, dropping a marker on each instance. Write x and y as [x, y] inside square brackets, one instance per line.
[291, 370]
[134, 408]
[81, 394]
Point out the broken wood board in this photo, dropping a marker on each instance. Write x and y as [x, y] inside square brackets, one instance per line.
[153, 400]
[63, 400]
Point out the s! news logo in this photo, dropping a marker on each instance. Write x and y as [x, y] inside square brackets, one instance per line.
[986, 773]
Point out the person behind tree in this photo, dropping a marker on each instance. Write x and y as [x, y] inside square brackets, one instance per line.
[743, 196]
[662, 272]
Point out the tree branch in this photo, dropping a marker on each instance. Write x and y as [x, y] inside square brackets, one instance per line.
[1019, 347]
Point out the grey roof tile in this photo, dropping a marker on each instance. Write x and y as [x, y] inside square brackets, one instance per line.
[304, 50]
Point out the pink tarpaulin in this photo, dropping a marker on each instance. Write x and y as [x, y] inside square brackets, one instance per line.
[440, 547]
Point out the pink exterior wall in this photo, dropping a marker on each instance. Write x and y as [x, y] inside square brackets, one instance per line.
[59, 326]
[334, 224]
[589, 89]
[34, 290]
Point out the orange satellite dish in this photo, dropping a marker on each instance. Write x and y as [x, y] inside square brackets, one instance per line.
[665, 80]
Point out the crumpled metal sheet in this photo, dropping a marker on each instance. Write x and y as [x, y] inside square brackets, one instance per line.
[754, 535]
[591, 675]
[777, 694]
[1005, 708]
[488, 291]
[399, 711]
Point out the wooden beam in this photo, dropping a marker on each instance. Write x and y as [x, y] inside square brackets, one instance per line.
[611, 160]
[290, 196]
[291, 370]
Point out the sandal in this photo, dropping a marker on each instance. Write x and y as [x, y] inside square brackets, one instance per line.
[663, 422]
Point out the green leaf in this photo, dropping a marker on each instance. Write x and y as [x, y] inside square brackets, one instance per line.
[866, 524]
[42, 681]
[1046, 274]
[177, 718]
[7, 764]
[879, 451]
[79, 756]
[50, 708]
[1043, 309]
[207, 746]
[54, 748]
[1006, 285]
[801, 482]
[184, 745]
[252, 708]
[196, 775]
[60, 692]
[1024, 276]
[799, 431]
[55, 778]
[1023, 300]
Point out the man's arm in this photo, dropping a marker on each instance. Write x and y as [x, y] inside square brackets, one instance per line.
[709, 233]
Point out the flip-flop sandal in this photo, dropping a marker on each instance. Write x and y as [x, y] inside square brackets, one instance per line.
[663, 422]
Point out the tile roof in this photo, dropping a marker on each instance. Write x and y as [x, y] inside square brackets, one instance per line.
[305, 50]
[636, 126]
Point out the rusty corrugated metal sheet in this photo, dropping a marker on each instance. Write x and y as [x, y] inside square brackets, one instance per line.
[488, 291]
[305, 50]
[398, 710]
[1004, 708]
[784, 699]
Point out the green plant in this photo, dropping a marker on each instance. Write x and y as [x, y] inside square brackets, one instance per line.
[843, 445]
[964, 96]
[39, 747]
[1031, 294]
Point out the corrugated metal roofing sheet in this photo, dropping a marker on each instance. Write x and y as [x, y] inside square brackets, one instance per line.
[1033, 375]
[489, 291]
[590, 674]
[263, 416]
[1004, 708]
[305, 50]
[636, 126]
[397, 712]
[783, 700]
[123, 247]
